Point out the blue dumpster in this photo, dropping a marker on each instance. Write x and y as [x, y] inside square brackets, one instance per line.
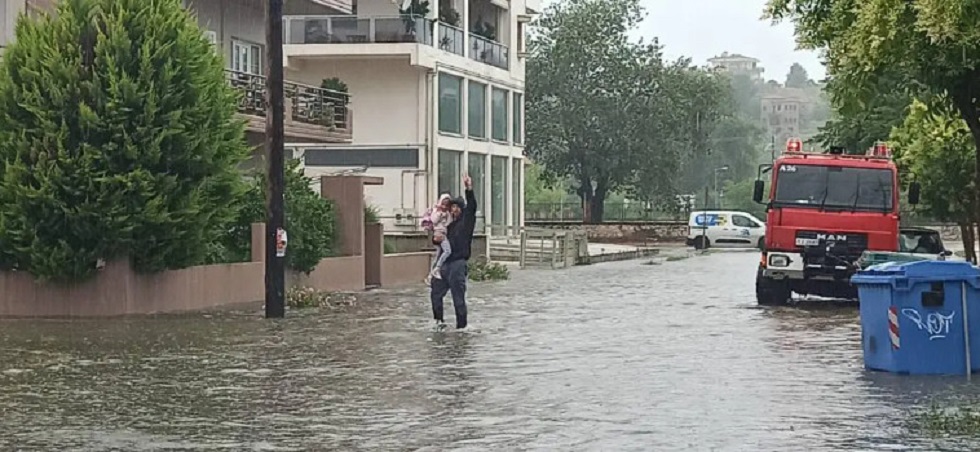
[912, 317]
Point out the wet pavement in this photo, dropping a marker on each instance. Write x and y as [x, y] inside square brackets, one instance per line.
[620, 356]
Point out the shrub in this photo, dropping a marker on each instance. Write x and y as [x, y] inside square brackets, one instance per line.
[372, 214]
[118, 139]
[483, 269]
[307, 297]
[311, 222]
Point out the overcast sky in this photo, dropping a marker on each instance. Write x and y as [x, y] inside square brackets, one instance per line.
[701, 29]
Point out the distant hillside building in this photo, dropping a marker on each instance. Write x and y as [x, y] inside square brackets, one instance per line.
[734, 63]
[781, 112]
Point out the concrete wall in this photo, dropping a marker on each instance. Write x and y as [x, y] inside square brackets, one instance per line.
[665, 231]
[415, 243]
[118, 290]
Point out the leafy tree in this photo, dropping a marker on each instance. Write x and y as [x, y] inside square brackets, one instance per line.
[798, 78]
[311, 222]
[118, 139]
[738, 196]
[858, 125]
[934, 146]
[926, 45]
[747, 95]
[696, 105]
[595, 123]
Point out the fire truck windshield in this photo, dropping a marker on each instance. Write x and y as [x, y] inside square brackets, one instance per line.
[834, 187]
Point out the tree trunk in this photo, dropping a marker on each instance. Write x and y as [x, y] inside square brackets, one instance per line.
[598, 207]
[585, 194]
[964, 102]
[968, 237]
[599, 202]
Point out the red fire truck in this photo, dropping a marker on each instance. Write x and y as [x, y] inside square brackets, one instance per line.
[824, 210]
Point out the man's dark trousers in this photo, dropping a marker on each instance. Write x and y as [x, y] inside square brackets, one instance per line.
[453, 281]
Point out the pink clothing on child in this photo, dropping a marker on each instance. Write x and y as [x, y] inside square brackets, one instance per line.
[440, 216]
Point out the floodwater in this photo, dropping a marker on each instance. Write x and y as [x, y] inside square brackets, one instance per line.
[620, 356]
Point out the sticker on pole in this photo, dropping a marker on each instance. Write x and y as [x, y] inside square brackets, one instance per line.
[281, 242]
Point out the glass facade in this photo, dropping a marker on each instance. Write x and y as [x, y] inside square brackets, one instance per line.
[450, 177]
[477, 168]
[515, 202]
[518, 117]
[450, 103]
[499, 106]
[498, 191]
[477, 107]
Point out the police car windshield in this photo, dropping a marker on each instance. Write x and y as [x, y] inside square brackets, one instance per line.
[834, 187]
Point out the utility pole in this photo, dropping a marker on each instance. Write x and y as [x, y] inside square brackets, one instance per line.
[275, 264]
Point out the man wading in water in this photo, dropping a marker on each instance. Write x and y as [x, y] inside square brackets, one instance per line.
[454, 270]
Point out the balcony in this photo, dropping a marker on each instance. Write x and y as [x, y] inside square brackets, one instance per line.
[489, 52]
[347, 31]
[357, 30]
[312, 113]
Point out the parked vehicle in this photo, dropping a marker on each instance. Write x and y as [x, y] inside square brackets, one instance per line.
[824, 211]
[914, 244]
[707, 228]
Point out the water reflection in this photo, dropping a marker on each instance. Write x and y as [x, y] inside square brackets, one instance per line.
[618, 356]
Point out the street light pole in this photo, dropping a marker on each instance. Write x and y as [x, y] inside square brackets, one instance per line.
[717, 193]
[275, 268]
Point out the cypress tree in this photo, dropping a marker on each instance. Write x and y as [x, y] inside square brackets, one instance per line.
[118, 139]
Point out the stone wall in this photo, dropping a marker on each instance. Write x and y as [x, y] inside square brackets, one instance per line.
[626, 232]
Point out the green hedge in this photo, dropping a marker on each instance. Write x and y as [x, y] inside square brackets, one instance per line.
[118, 138]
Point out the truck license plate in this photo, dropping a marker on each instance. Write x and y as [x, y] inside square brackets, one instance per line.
[807, 242]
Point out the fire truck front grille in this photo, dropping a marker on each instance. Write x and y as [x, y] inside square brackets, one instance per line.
[850, 243]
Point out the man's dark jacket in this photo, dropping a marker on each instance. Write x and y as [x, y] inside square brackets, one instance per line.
[460, 231]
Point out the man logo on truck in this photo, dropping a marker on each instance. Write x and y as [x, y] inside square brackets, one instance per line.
[832, 237]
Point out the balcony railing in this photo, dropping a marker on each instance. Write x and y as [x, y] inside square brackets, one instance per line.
[357, 30]
[489, 52]
[451, 39]
[310, 104]
[393, 29]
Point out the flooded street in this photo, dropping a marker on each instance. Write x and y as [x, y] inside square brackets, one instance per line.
[620, 356]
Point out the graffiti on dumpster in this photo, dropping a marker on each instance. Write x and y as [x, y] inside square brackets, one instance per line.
[937, 324]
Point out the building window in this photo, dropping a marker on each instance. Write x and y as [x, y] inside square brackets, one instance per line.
[498, 191]
[521, 26]
[246, 57]
[450, 103]
[449, 171]
[515, 202]
[477, 109]
[212, 37]
[499, 106]
[518, 118]
[477, 168]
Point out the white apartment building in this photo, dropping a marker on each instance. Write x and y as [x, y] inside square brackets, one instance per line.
[237, 29]
[433, 100]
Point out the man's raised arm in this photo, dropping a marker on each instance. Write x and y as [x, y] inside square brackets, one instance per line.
[470, 210]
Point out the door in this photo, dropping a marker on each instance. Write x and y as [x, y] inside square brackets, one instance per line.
[745, 230]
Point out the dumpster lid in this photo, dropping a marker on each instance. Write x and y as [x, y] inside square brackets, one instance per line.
[929, 269]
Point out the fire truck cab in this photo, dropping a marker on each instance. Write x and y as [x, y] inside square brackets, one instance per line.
[823, 211]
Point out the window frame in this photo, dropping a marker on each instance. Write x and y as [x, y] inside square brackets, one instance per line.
[445, 76]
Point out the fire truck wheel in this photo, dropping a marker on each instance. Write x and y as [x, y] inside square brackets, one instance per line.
[701, 243]
[771, 292]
